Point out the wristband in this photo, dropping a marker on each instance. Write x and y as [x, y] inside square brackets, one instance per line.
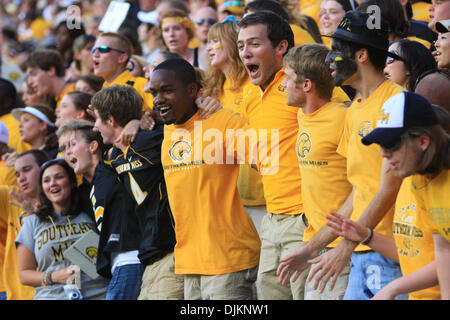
[47, 281]
[368, 238]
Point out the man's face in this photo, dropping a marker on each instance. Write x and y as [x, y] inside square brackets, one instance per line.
[204, 18]
[39, 81]
[27, 173]
[106, 64]
[260, 58]
[64, 146]
[342, 63]
[171, 97]
[439, 10]
[105, 128]
[294, 96]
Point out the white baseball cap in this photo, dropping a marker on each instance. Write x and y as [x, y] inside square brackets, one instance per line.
[443, 26]
[17, 112]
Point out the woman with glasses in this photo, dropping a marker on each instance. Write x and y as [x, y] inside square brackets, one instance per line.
[46, 234]
[413, 141]
[177, 30]
[409, 60]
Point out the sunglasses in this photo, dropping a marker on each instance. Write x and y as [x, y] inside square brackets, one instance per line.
[210, 21]
[227, 4]
[394, 146]
[105, 49]
[390, 59]
[397, 143]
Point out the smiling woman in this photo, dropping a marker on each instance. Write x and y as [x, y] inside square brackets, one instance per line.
[57, 224]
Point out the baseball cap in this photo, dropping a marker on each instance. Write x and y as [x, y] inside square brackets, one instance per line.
[354, 27]
[4, 133]
[443, 26]
[17, 112]
[398, 114]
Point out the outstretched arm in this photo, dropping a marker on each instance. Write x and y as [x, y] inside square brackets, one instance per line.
[298, 260]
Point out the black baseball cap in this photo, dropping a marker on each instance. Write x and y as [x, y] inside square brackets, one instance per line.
[356, 27]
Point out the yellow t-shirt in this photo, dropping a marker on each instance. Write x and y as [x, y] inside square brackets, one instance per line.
[339, 95]
[249, 181]
[324, 176]
[327, 41]
[301, 36]
[415, 246]
[421, 11]
[214, 234]
[312, 11]
[68, 88]
[39, 27]
[126, 78]
[364, 162]
[307, 3]
[14, 135]
[432, 196]
[268, 113]
[12, 215]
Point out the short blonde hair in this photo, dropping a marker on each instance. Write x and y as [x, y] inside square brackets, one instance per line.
[308, 62]
[122, 42]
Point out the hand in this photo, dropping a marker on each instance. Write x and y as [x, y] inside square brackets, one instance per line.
[22, 201]
[293, 265]
[208, 106]
[128, 133]
[148, 120]
[386, 293]
[330, 265]
[63, 275]
[9, 158]
[347, 228]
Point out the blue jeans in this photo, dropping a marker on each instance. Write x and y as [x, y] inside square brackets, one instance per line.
[370, 272]
[126, 282]
[3, 295]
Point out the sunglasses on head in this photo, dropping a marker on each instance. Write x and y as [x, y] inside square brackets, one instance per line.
[390, 59]
[105, 49]
[210, 21]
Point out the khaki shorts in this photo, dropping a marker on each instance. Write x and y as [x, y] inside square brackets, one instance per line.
[280, 235]
[159, 281]
[238, 285]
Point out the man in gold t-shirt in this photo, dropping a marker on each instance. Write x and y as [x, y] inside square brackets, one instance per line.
[263, 40]
[325, 187]
[357, 59]
[110, 56]
[217, 246]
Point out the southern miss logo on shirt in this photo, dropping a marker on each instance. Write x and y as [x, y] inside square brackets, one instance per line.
[303, 145]
[180, 151]
[365, 128]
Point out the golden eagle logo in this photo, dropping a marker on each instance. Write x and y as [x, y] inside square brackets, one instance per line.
[383, 117]
[180, 150]
[281, 88]
[303, 145]
[91, 252]
[364, 128]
